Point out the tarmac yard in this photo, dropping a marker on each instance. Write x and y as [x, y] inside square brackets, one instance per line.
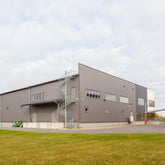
[151, 128]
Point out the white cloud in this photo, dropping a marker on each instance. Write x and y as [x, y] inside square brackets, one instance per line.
[40, 39]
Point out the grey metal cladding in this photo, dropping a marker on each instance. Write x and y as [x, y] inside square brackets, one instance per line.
[85, 109]
[141, 92]
[11, 106]
[11, 109]
[44, 112]
[50, 91]
[104, 83]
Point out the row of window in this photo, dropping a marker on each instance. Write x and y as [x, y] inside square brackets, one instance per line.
[41, 97]
[96, 94]
[107, 111]
[108, 97]
[142, 102]
[38, 97]
[93, 94]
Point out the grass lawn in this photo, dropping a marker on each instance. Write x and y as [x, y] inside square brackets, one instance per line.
[52, 148]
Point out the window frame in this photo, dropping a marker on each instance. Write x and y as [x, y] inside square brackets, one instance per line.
[37, 97]
[141, 101]
[106, 94]
[151, 103]
[90, 93]
[124, 97]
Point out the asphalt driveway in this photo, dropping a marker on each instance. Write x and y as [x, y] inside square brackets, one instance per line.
[119, 129]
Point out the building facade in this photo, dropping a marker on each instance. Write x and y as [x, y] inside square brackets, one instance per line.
[91, 96]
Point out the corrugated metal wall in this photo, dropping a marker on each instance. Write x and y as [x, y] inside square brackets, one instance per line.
[97, 107]
[85, 109]
[141, 92]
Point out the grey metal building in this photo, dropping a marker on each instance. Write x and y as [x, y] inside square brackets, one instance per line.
[91, 96]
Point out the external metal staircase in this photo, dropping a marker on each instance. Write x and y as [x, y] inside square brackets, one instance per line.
[71, 75]
[62, 104]
[66, 97]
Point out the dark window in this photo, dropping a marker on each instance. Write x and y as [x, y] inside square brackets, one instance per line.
[86, 109]
[92, 94]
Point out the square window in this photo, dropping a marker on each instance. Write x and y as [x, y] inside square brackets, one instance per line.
[151, 103]
[141, 101]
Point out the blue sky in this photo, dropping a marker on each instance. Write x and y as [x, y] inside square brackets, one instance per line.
[40, 39]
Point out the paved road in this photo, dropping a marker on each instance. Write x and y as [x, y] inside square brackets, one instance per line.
[119, 129]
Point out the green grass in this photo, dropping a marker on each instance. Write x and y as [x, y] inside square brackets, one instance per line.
[81, 149]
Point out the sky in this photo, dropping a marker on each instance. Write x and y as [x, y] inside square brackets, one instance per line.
[40, 39]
